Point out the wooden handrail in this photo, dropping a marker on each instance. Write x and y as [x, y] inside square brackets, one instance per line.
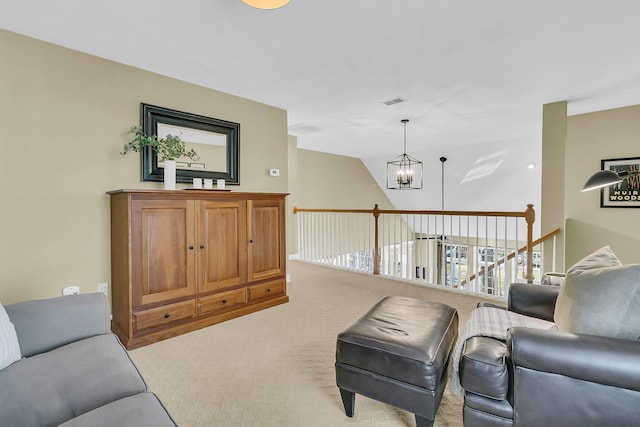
[297, 209]
[546, 237]
[511, 256]
[417, 212]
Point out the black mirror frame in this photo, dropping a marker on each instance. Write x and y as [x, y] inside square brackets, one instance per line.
[151, 115]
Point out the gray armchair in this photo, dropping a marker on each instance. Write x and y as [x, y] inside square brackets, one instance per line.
[546, 377]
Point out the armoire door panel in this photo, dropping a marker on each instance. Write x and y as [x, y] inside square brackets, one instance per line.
[266, 243]
[221, 259]
[163, 250]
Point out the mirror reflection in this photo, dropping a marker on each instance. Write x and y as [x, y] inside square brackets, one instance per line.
[215, 141]
[210, 146]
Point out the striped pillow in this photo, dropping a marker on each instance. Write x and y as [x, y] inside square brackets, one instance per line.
[9, 346]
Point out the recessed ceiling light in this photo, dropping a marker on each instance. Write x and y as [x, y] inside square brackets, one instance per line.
[266, 4]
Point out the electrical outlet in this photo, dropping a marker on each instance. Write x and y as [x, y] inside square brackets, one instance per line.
[104, 288]
[71, 290]
[274, 172]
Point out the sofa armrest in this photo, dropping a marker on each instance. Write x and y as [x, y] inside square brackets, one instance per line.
[563, 379]
[596, 359]
[490, 305]
[533, 300]
[45, 324]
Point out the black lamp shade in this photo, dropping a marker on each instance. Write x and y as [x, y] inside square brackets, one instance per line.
[602, 179]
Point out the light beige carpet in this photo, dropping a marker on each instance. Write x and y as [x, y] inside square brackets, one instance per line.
[275, 367]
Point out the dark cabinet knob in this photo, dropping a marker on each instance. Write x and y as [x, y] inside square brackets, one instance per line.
[224, 301]
[166, 315]
[191, 247]
[201, 246]
[268, 289]
[251, 241]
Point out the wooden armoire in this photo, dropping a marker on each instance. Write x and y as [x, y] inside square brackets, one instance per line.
[185, 259]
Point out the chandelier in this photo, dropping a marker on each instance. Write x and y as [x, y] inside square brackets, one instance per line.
[404, 172]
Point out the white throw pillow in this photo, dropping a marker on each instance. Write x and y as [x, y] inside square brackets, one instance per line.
[9, 346]
[600, 296]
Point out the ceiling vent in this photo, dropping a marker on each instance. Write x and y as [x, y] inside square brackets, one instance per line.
[394, 101]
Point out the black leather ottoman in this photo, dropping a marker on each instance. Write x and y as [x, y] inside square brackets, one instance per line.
[398, 353]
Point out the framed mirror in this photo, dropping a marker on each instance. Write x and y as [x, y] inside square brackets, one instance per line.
[217, 143]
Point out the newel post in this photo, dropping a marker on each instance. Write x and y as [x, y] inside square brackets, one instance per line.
[376, 250]
[530, 217]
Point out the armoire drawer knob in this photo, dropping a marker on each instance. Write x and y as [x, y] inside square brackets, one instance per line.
[224, 301]
[268, 289]
[191, 248]
[166, 315]
[201, 246]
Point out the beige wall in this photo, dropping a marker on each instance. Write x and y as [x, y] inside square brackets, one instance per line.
[551, 216]
[337, 182]
[591, 138]
[64, 117]
[321, 180]
[292, 239]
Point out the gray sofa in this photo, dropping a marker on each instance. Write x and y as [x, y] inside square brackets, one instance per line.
[73, 372]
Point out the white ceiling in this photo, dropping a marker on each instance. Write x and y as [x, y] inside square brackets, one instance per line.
[471, 71]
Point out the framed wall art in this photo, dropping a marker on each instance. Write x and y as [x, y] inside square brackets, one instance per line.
[625, 194]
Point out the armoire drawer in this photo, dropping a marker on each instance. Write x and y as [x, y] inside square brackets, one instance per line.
[266, 290]
[222, 301]
[165, 314]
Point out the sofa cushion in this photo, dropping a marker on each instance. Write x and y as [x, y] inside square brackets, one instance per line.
[600, 296]
[140, 410]
[9, 346]
[53, 387]
[45, 324]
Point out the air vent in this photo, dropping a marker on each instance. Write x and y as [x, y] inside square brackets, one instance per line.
[394, 101]
[303, 129]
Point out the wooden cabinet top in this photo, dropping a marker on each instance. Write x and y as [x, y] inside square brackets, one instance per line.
[197, 194]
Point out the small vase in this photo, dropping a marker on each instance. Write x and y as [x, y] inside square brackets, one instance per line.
[169, 174]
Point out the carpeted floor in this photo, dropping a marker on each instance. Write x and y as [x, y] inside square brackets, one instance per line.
[275, 367]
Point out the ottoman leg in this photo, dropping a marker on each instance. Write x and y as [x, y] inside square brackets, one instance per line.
[348, 400]
[423, 422]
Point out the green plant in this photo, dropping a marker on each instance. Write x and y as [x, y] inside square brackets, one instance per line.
[170, 147]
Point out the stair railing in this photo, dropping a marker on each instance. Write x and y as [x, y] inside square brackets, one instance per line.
[475, 251]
